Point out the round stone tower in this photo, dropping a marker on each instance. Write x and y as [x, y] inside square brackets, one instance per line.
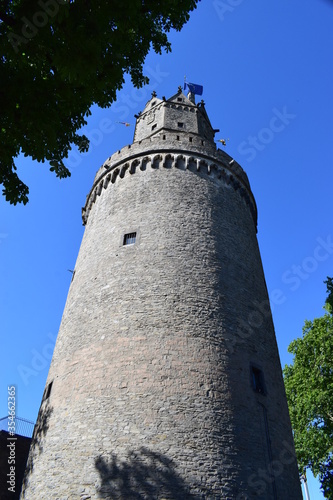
[165, 381]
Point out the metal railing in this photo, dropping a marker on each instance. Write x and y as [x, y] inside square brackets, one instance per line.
[23, 427]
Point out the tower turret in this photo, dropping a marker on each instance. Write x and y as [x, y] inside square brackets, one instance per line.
[165, 380]
[176, 114]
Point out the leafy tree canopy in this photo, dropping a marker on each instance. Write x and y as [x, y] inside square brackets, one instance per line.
[58, 58]
[309, 388]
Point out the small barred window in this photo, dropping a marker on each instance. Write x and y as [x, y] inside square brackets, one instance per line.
[129, 239]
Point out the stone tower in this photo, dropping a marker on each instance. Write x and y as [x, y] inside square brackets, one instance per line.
[165, 381]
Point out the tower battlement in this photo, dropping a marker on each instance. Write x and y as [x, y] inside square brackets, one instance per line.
[174, 140]
[216, 167]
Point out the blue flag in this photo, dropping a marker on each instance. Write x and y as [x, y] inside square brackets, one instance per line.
[194, 88]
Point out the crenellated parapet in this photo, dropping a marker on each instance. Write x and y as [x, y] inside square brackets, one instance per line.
[219, 168]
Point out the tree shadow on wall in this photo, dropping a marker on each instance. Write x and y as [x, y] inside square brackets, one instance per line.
[36, 446]
[144, 475]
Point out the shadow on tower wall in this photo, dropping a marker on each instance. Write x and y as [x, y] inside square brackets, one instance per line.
[36, 446]
[144, 475]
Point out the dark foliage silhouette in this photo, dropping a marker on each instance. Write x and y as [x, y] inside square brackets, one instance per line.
[144, 475]
[36, 446]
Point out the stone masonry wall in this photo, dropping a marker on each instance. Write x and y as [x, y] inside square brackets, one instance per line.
[152, 394]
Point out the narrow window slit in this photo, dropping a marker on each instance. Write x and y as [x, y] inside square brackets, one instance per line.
[257, 378]
[48, 391]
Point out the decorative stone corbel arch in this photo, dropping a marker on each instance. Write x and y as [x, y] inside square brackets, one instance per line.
[180, 162]
[114, 175]
[123, 170]
[156, 161]
[191, 163]
[168, 160]
[145, 162]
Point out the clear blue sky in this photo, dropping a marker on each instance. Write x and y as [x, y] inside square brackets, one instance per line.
[266, 68]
